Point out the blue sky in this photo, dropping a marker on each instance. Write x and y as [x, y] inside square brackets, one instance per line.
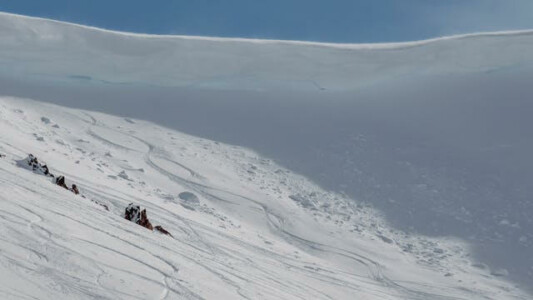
[317, 20]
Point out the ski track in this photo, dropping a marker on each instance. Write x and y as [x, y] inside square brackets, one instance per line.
[75, 249]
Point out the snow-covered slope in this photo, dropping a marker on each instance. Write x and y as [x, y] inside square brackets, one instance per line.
[55, 50]
[434, 135]
[252, 230]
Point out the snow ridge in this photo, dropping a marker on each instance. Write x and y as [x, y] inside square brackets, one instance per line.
[32, 46]
[396, 45]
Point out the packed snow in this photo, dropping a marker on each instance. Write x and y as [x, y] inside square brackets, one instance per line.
[282, 170]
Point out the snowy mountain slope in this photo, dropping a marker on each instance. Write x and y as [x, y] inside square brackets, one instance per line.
[442, 155]
[253, 231]
[434, 134]
[40, 48]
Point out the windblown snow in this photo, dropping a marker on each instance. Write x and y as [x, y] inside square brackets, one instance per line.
[294, 192]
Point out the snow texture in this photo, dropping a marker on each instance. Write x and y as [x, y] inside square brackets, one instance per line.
[81, 54]
[389, 171]
[245, 239]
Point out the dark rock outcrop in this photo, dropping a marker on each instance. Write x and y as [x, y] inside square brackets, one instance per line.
[37, 167]
[74, 189]
[162, 230]
[61, 182]
[144, 222]
[42, 169]
[134, 214]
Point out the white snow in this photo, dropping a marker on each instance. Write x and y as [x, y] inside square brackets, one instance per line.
[239, 235]
[54, 50]
[434, 133]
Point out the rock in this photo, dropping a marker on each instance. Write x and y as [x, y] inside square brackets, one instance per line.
[37, 167]
[33, 163]
[74, 189]
[32, 160]
[134, 214]
[61, 182]
[162, 230]
[42, 169]
[144, 222]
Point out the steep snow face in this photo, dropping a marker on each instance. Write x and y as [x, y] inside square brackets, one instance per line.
[243, 226]
[54, 50]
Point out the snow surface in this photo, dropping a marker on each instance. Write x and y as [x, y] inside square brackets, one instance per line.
[415, 160]
[256, 230]
[62, 51]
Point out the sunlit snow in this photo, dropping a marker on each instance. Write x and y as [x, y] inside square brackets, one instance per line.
[283, 170]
